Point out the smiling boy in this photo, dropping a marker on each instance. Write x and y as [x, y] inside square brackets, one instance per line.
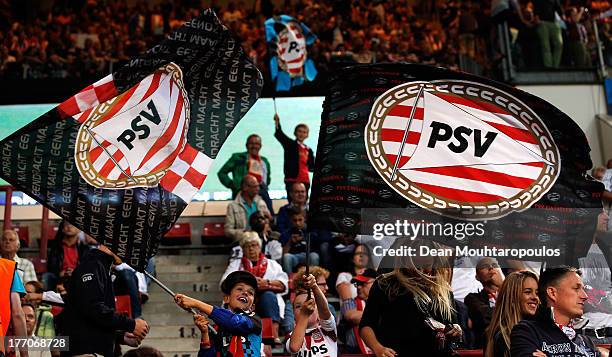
[238, 328]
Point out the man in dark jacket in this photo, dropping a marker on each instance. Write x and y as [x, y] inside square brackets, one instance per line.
[552, 333]
[89, 317]
[480, 305]
[64, 254]
[299, 158]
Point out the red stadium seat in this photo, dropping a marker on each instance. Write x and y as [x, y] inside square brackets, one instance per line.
[213, 233]
[51, 232]
[39, 265]
[180, 234]
[267, 331]
[24, 236]
[123, 305]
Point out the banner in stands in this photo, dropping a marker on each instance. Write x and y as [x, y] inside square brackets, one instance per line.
[412, 145]
[288, 43]
[122, 158]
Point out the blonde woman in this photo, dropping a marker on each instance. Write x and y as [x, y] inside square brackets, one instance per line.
[517, 300]
[410, 311]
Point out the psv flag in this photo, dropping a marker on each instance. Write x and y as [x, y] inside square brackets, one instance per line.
[408, 144]
[288, 44]
[122, 158]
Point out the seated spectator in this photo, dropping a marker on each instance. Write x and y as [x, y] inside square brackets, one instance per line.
[127, 282]
[480, 305]
[298, 202]
[551, 333]
[297, 219]
[29, 312]
[247, 163]
[361, 261]
[64, 254]
[9, 245]
[240, 210]
[294, 251]
[272, 282]
[315, 328]
[321, 275]
[43, 316]
[352, 310]
[270, 240]
[517, 300]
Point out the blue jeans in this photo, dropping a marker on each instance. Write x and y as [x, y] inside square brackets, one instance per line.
[267, 306]
[290, 261]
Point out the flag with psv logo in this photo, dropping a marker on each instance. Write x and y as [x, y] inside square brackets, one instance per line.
[414, 151]
[122, 158]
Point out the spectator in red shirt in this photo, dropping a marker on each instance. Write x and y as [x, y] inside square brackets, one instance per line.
[299, 158]
[63, 255]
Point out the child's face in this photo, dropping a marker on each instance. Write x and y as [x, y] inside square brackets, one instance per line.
[298, 221]
[241, 297]
[301, 133]
[297, 305]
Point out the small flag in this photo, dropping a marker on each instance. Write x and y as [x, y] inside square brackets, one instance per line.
[419, 144]
[288, 45]
[122, 158]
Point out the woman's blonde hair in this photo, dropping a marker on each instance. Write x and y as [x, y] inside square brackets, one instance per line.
[508, 310]
[432, 292]
[249, 237]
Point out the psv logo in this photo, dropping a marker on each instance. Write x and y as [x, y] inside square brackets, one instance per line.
[461, 149]
[132, 140]
[292, 49]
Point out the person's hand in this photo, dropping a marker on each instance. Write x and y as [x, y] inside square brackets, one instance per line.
[453, 331]
[141, 329]
[310, 282]
[201, 322]
[385, 352]
[276, 119]
[538, 353]
[261, 283]
[131, 340]
[185, 301]
[308, 308]
[34, 298]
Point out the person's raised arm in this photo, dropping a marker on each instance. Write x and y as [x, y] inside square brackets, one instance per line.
[279, 134]
[310, 282]
[297, 336]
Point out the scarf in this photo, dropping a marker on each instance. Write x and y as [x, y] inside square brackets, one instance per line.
[259, 269]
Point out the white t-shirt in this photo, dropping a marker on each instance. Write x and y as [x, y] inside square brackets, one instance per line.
[346, 278]
[320, 341]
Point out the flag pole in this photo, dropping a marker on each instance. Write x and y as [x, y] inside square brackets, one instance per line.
[173, 294]
[308, 260]
[406, 131]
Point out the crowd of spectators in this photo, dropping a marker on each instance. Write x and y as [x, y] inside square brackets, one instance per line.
[88, 40]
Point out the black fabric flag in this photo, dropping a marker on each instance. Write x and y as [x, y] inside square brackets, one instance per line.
[409, 150]
[122, 158]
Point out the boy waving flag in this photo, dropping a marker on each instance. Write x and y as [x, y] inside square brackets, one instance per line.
[122, 158]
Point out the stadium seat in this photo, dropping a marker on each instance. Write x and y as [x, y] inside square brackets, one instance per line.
[123, 305]
[40, 266]
[180, 234]
[213, 233]
[52, 229]
[24, 236]
[267, 334]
